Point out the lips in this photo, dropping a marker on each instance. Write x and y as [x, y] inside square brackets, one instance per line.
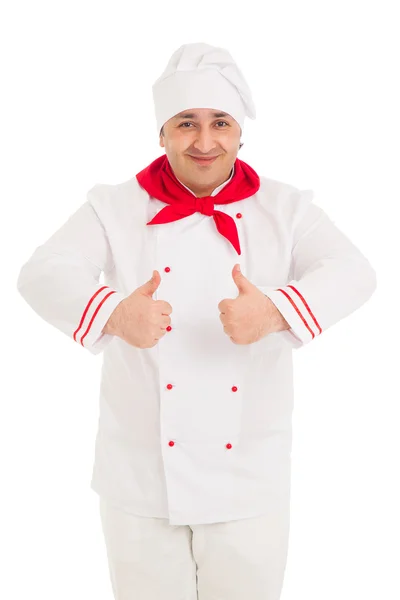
[203, 161]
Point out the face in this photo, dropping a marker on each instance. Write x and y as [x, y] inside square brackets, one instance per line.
[201, 133]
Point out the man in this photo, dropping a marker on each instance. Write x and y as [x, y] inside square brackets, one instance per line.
[192, 460]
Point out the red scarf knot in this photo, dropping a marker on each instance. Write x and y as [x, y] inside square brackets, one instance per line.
[204, 205]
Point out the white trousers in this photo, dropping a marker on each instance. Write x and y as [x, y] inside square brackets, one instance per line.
[149, 559]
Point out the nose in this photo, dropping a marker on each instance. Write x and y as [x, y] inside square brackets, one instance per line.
[204, 141]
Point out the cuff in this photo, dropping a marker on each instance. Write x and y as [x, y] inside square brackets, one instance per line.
[293, 307]
[97, 312]
[304, 327]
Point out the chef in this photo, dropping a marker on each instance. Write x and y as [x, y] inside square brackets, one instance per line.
[213, 275]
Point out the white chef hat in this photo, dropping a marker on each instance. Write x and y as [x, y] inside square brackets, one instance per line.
[202, 76]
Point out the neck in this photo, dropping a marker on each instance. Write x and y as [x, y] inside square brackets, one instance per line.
[201, 191]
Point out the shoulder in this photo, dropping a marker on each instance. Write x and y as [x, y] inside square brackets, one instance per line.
[282, 198]
[281, 192]
[117, 197]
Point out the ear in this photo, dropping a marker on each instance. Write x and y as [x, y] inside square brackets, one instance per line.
[161, 141]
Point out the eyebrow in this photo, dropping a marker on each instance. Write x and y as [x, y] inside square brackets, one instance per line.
[195, 115]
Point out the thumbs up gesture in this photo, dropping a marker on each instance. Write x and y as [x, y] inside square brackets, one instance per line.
[139, 319]
[250, 316]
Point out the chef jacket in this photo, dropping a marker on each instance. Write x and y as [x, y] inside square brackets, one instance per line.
[196, 429]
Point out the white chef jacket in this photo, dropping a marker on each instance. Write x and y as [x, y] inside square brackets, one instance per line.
[196, 429]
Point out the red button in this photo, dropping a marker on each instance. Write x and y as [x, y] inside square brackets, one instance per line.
[234, 389]
[239, 215]
[171, 443]
[169, 386]
[169, 328]
[167, 269]
[229, 446]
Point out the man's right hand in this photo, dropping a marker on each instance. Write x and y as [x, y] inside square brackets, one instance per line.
[138, 319]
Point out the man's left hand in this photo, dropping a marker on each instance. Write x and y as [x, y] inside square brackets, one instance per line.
[250, 316]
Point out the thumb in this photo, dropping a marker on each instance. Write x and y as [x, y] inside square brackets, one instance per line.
[150, 286]
[240, 279]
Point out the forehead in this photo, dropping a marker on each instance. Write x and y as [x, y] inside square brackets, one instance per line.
[198, 113]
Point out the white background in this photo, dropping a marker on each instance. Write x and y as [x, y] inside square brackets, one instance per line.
[77, 110]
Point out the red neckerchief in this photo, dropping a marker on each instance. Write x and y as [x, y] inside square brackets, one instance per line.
[159, 180]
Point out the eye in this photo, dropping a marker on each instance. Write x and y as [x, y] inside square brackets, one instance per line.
[187, 123]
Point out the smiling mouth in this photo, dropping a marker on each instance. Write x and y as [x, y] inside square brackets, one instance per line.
[203, 161]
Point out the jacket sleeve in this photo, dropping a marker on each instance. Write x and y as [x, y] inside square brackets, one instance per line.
[331, 278]
[60, 281]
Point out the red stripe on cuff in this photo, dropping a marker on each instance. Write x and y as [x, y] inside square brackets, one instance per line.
[96, 311]
[87, 308]
[297, 310]
[307, 307]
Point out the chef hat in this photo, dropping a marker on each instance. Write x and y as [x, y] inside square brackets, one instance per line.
[202, 76]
